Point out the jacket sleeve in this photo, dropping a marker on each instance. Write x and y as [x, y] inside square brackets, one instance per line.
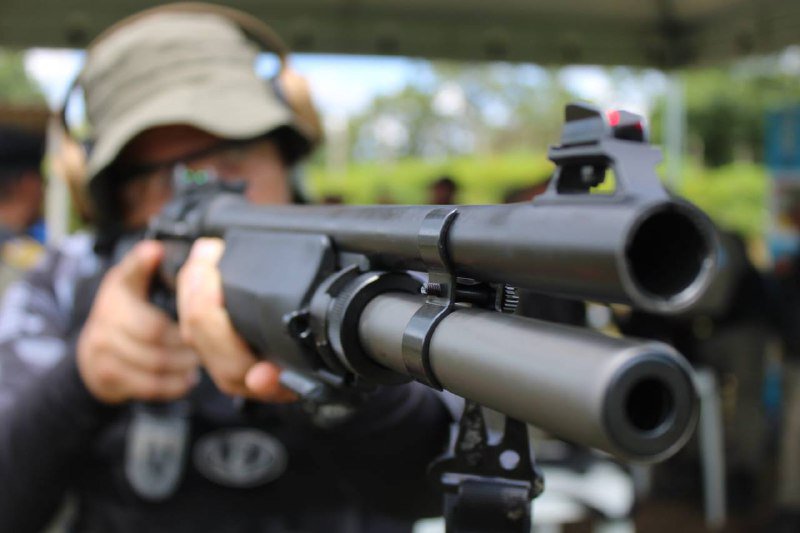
[47, 417]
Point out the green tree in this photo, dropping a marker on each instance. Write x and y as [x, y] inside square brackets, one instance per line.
[725, 109]
[16, 87]
[462, 109]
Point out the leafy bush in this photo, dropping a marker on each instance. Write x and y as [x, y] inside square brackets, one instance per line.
[734, 195]
[480, 179]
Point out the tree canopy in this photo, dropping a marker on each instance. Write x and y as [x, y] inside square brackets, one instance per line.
[16, 87]
[726, 110]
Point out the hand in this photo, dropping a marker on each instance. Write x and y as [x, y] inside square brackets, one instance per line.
[206, 326]
[129, 349]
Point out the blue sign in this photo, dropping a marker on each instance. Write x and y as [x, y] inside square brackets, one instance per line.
[782, 142]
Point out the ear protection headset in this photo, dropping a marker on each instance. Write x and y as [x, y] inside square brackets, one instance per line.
[68, 154]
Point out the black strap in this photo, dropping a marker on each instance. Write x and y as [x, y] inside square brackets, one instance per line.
[488, 505]
[488, 487]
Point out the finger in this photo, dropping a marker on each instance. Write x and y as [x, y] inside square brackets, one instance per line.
[137, 268]
[207, 250]
[155, 359]
[132, 383]
[146, 322]
[122, 290]
[172, 336]
[224, 354]
[263, 383]
[200, 273]
[203, 259]
[205, 323]
[159, 387]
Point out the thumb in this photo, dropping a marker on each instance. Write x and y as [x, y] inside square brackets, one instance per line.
[138, 266]
[263, 382]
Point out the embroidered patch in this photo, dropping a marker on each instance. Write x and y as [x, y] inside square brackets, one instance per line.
[155, 450]
[21, 253]
[240, 458]
[40, 352]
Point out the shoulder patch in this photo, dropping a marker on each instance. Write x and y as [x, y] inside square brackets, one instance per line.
[21, 253]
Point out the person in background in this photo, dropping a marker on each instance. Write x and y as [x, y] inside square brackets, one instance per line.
[443, 191]
[152, 425]
[21, 197]
[786, 306]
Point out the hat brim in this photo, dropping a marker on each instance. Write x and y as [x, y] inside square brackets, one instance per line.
[232, 107]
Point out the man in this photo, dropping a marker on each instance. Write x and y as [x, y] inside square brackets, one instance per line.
[21, 195]
[102, 397]
[442, 191]
[785, 311]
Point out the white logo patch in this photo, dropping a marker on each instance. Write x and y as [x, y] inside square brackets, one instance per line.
[41, 352]
[240, 458]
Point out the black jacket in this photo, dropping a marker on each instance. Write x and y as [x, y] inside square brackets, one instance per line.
[366, 474]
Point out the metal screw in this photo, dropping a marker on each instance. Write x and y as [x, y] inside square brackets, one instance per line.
[508, 300]
[433, 289]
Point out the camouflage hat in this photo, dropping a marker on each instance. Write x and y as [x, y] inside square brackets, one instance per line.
[171, 68]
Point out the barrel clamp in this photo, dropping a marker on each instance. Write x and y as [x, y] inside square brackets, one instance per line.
[441, 294]
[487, 487]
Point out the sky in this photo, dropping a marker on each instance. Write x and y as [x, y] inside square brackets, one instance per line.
[344, 85]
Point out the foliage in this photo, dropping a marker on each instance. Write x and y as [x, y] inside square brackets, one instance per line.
[725, 110]
[509, 154]
[485, 125]
[481, 179]
[734, 195]
[461, 109]
[726, 118]
[16, 88]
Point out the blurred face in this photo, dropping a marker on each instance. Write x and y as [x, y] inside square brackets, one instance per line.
[442, 194]
[151, 158]
[21, 201]
[32, 192]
